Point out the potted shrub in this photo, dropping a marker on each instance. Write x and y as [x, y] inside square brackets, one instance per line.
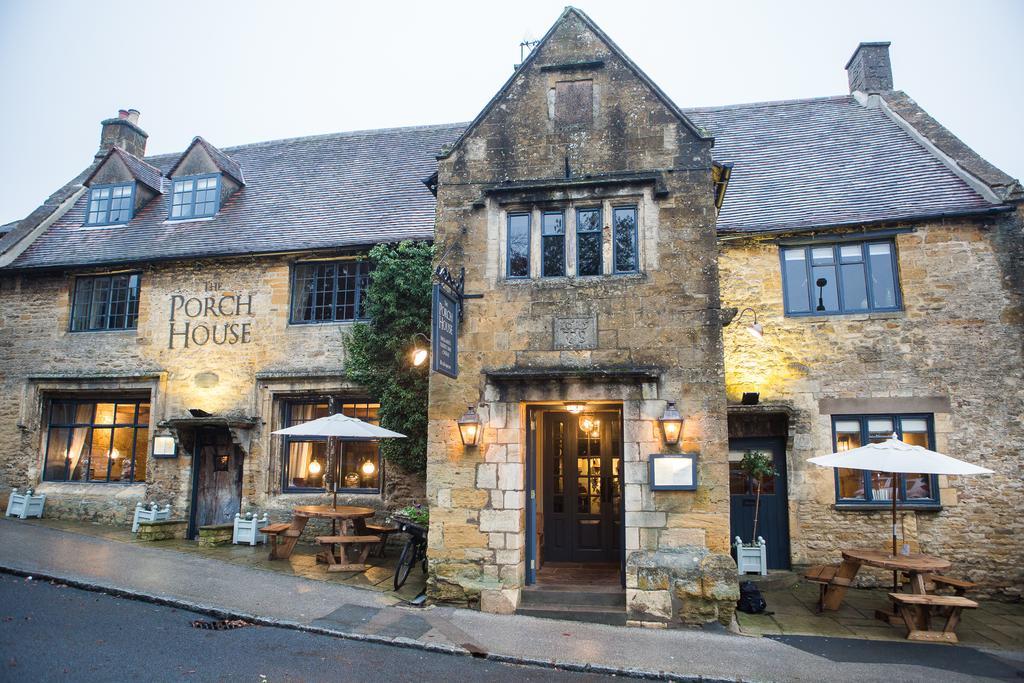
[753, 556]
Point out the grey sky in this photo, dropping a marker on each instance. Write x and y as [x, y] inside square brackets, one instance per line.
[238, 72]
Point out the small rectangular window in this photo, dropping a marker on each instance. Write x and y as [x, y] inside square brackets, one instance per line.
[846, 277]
[329, 291]
[105, 441]
[588, 242]
[624, 238]
[552, 244]
[110, 204]
[862, 486]
[518, 245]
[195, 197]
[105, 302]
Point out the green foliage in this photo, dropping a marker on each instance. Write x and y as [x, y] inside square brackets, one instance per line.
[757, 465]
[415, 513]
[398, 305]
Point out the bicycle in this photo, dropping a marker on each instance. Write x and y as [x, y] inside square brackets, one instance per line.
[414, 550]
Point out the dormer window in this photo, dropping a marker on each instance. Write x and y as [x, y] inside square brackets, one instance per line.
[110, 204]
[195, 196]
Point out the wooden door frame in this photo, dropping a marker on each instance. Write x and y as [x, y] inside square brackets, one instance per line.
[534, 413]
[770, 442]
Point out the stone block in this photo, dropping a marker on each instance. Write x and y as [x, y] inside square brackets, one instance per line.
[515, 500]
[649, 605]
[215, 535]
[502, 601]
[646, 519]
[472, 499]
[677, 538]
[495, 452]
[487, 476]
[163, 530]
[510, 476]
[500, 520]
[508, 556]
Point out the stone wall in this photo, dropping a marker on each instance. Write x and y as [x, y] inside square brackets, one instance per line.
[954, 351]
[260, 359]
[664, 319]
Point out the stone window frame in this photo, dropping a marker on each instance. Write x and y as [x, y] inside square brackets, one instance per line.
[932, 503]
[570, 211]
[835, 245]
[342, 398]
[91, 207]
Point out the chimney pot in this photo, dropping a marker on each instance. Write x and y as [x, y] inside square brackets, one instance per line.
[122, 113]
[133, 116]
[124, 132]
[869, 69]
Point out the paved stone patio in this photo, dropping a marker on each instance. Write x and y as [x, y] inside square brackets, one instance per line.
[302, 562]
[992, 625]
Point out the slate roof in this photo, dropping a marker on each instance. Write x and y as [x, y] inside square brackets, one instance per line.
[797, 164]
[824, 162]
[345, 189]
[144, 173]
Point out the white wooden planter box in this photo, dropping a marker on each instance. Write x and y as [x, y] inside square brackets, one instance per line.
[25, 504]
[152, 513]
[751, 558]
[247, 528]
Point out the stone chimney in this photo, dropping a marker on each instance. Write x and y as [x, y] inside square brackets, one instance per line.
[869, 69]
[124, 132]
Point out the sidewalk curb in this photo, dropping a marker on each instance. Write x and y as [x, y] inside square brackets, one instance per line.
[453, 650]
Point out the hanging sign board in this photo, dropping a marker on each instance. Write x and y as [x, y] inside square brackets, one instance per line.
[444, 338]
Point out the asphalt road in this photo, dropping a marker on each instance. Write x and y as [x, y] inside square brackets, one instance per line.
[57, 633]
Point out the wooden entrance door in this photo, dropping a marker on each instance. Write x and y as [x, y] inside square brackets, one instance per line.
[582, 488]
[217, 484]
[773, 516]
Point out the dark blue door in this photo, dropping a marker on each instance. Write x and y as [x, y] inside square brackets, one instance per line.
[773, 517]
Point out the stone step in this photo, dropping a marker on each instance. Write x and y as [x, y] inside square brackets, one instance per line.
[573, 598]
[588, 614]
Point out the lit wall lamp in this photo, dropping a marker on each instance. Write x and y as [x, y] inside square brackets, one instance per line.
[469, 427]
[164, 446]
[575, 407]
[671, 423]
[755, 328]
[420, 353]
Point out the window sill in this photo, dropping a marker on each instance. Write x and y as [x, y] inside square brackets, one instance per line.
[876, 507]
[563, 280]
[101, 226]
[328, 322]
[197, 219]
[320, 492]
[132, 330]
[860, 315]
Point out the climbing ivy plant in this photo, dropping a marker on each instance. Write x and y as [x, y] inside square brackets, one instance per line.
[398, 307]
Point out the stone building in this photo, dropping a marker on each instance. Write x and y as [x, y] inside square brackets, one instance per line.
[160, 316]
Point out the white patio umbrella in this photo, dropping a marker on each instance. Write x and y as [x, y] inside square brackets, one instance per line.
[341, 428]
[896, 457]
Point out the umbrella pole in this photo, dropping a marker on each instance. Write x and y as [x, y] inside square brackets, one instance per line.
[895, 575]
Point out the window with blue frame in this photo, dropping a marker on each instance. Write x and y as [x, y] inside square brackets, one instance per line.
[552, 244]
[518, 264]
[329, 291]
[305, 458]
[195, 196]
[588, 242]
[110, 204]
[866, 487]
[625, 255]
[105, 302]
[845, 277]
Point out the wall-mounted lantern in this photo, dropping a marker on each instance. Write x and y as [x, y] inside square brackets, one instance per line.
[575, 407]
[420, 353]
[671, 423]
[469, 427]
[164, 446]
[755, 329]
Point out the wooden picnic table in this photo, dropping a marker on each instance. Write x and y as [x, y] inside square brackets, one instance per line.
[352, 518]
[915, 565]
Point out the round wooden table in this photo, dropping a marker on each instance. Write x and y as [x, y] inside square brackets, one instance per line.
[914, 563]
[352, 518]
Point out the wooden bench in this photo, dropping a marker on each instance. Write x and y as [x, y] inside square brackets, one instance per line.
[333, 565]
[282, 538]
[825, 575]
[916, 612]
[384, 531]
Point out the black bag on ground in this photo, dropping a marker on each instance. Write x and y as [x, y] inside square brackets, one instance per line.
[751, 601]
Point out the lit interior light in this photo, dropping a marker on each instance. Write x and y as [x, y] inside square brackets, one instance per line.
[314, 467]
[368, 468]
[575, 407]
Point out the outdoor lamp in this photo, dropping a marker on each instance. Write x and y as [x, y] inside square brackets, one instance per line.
[671, 423]
[419, 353]
[469, 427]
[755, 329]
[575, 407]
[164, 446]
[368, 468]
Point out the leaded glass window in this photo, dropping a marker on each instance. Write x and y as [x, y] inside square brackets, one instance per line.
[848, 277]
[588, 242]
[105, 302]
[519, 245]
[625, 256]
[329, 291]
[552, 244]
[97, 440]
[195, 196]
[305, 458]
[110, 204]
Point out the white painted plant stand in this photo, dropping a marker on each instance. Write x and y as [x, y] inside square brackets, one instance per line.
[247, 528]
[152, 513]
[26, 504]
[751, 558]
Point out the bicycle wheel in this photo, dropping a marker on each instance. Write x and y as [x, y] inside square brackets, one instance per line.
[405, 562]
[423, 557]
